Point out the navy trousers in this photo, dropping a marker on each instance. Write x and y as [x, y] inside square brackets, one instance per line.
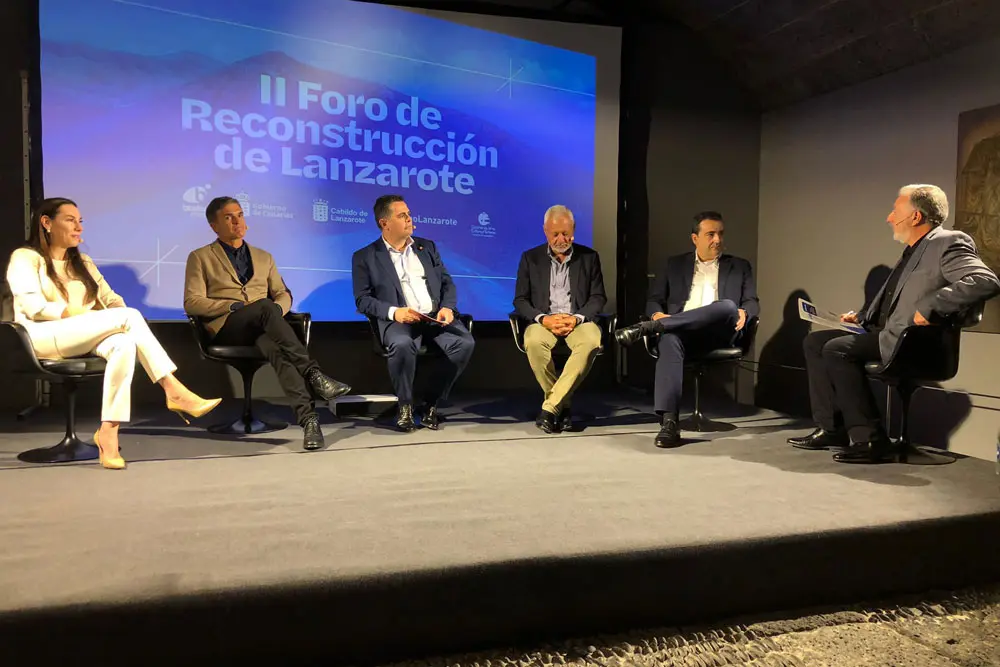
[404, 340]
[691, 332]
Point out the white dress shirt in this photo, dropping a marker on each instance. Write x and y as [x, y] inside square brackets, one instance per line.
[410, 271]
[705, 285]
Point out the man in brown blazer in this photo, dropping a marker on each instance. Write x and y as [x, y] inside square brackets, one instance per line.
[241, 295]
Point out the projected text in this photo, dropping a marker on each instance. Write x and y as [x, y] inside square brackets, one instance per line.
[345, 135]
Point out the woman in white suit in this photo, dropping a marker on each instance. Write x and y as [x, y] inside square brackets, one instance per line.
[69, 310]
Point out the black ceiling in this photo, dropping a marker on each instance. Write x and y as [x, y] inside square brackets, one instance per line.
[785, 51]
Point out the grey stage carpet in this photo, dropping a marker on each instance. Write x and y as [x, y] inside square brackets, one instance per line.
[159, 435]
[476, 493]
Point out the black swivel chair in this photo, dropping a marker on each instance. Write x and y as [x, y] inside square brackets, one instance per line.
[68, 373]
[246, 359]
[606, 322]
[700, 364]
[922, 354]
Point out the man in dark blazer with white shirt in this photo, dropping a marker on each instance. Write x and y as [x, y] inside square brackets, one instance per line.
[700, 301]
[559, 294]
[400, 280]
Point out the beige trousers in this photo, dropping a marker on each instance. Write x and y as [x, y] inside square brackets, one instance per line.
[583, 343]
[118, 335]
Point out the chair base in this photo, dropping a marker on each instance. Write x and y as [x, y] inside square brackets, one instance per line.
[699, 423]
[69, 450]
[907, 452]
[247, 425]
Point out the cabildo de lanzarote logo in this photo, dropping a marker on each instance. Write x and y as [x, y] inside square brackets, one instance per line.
[323, 212]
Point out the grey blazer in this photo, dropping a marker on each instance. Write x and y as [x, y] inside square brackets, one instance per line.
[944, 277]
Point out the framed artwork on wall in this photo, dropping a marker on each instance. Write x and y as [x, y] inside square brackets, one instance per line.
[977, 192]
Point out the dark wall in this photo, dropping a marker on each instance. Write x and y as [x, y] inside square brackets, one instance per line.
[690, 141]
[687, 133]
[18, 19]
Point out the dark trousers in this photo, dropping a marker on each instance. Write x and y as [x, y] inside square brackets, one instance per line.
[839, 392]
[262, 324]
[692, 332]
[404, 340]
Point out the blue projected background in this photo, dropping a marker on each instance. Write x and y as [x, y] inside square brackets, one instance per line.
[307, 111]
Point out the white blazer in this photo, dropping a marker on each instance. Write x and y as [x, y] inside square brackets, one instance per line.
[36, 296]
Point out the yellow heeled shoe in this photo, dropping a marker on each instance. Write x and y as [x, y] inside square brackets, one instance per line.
[116, 463]
[206, 406]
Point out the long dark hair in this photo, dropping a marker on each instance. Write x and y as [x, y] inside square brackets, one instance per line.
[38, 240]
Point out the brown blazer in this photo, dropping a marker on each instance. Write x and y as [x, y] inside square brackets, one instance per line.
[211, 286]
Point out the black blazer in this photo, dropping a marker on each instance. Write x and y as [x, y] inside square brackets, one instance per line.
[586, 283]
[377, 288]
[671, 288]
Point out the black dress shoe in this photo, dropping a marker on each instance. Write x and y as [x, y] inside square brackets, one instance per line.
[630, 335]
[821, 439]
[878, 450]
[547, 422]
[325, 388]
[669, 435]
[312, 435]
[404, 419]
[431, 419]
[565, 420]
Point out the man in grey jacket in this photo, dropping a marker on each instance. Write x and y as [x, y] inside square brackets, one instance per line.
[938, 276]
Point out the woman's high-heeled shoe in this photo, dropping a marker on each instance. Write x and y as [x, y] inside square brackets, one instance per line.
[111, 463]
[202, 409]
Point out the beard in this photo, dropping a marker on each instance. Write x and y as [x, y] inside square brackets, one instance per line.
[562, 248]
[899, 237]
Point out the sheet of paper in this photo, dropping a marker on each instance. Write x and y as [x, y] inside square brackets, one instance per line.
[825, 318]
[428, 319]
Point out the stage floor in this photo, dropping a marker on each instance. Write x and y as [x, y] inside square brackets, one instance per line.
[197, 514]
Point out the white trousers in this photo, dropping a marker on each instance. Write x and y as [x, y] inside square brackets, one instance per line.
[119, 335]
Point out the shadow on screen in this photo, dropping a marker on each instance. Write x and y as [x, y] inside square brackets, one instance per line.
[330, 302]
[781, 379]
[125, 281]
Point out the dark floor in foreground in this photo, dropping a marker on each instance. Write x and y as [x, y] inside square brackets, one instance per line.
[959, 629]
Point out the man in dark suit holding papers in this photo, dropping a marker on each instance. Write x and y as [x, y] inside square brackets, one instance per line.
[701, 300]
[401, 281]
[939, 275]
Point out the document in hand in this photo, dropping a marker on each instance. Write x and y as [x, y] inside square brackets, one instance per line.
[810, 313]
[427, 319]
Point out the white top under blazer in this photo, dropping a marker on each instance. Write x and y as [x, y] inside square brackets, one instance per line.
[38, 299]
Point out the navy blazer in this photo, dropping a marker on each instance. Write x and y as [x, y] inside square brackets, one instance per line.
[671, 287]
[377, 288]
[531, 293]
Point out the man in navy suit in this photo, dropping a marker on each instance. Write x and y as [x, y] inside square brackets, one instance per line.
[401, 281]
[700, 301]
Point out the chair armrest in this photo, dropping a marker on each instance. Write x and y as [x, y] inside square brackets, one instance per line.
[517, 330]
[301, 324]
[608, 322]
[467, 320]
[651, 342]
[749, 335]
[377, 343]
